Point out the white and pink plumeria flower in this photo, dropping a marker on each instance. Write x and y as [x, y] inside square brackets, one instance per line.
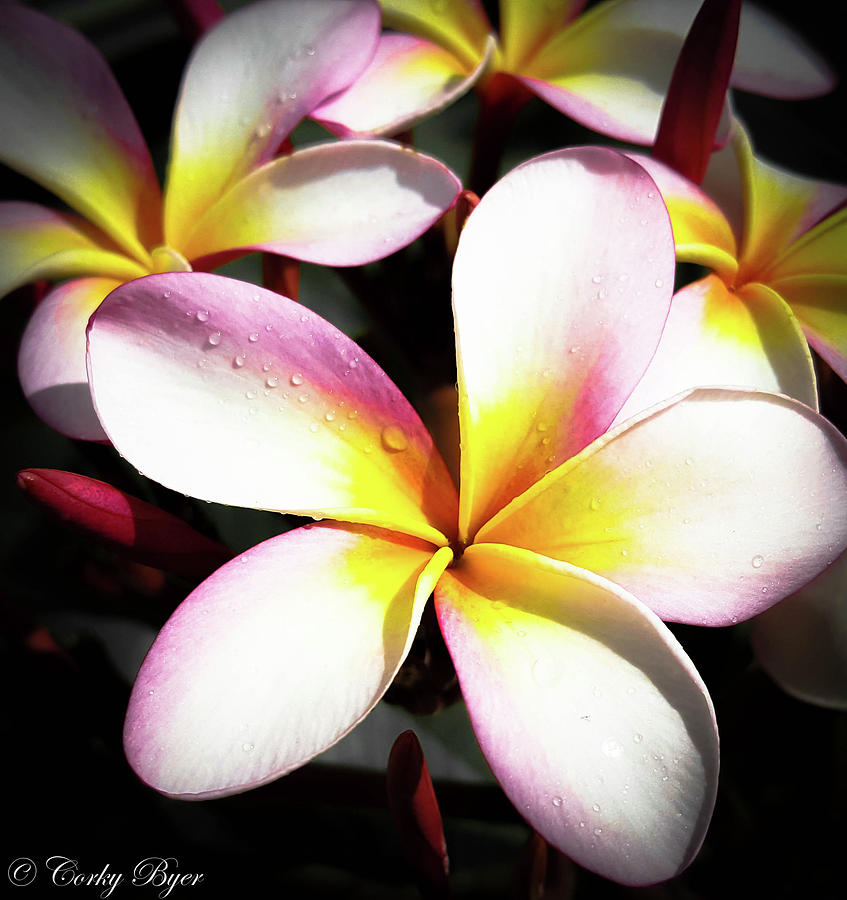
[249, 82]
[552, 566]
[607, 67]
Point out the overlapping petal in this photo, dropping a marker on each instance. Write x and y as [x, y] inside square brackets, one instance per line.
[819, 303]
[339, 204]
[248, 83]
[545, 259]
[611, 69]
[690, 507]
[270, 405]
[37, 242]
[802, 641]
[67, 126]
[51, 359]
[237, 689]
[461, 28]
[524, 27]
[406, 80]
[702, 232]
[714, 336]
[590, 715]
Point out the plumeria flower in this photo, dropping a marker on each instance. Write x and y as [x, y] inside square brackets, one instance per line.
[67, 125]
[551, 568]
[774, 244]
[607, 67]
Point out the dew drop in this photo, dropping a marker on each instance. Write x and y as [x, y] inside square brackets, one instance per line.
[596, 807]
[658, 282]
[394, 439]
[353, 414]
[215, 338]
[757, 561]
[253, 337]
[303, 398]
[250, 395]
[239, 360]
[248, 747]
[637, 738]
[296, 379]
[330, 415]
[272, 381]
[313, 427]
[202, 315]
[597, 279]
[557, 801]
[598, 831]
[595, 503]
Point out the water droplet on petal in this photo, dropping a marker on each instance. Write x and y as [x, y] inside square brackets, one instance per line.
[595, 503]
[596, 807]
[637, 738]
[272, 381]
[557, 801]
[394, 438]
[253, 337]
[757, 561]
[239, 360]
[202, 315]
[248, 747]
[215, 338]
[296, 379]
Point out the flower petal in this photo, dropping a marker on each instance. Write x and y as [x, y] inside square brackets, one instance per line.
[67, 126]
[250, 80]
[408, 80]
[590, 715]
[51, 360]
[779, 208]
[819, 303]
[526, 26]
[548, 344]
[611, 70]
[802, 641]
[714, 336]
[271, 407]
[275, 657]
[773, 60]
[461, 28]
[37, 242]
[709, 509]
[338, 204]
[702, 233]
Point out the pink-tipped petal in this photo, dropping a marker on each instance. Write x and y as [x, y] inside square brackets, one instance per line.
[249, 82]
[51, 360]
[709, 509]
[713, 336]
[611, 70]
[338, 204]
[802, 641]
[275, 657]
[408, 80]
[269, 406]
[561, 283]
[67, 125]
[37, 242]
[589, 713]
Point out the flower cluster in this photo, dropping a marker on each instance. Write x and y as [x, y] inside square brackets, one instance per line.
[613, 455]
